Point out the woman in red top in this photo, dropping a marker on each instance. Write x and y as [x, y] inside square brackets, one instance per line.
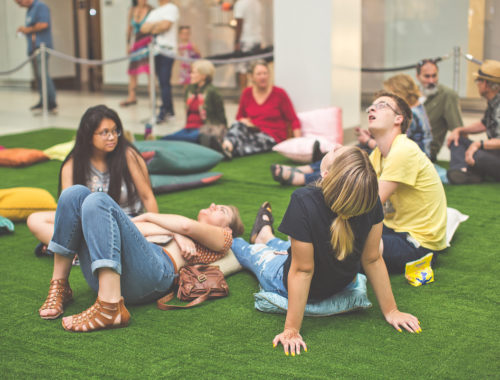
[264, 113]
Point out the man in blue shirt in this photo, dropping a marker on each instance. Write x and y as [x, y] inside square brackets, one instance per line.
[37, 30]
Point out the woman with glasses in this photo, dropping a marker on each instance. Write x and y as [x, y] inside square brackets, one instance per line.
[104, 161]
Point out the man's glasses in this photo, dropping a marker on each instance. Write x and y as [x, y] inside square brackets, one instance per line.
[479, 80]
[381, 105]
[106, 133]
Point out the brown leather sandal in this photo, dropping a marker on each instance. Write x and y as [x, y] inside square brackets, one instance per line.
[60, 294]
[101, 315]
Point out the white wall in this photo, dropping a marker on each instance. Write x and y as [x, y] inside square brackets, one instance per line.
[14, 47]
[416, 29]
[114, 40]
[318, 54]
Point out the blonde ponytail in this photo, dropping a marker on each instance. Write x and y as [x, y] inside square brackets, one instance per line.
[350, 188]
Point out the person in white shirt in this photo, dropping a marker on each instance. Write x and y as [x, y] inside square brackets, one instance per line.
[162, 23]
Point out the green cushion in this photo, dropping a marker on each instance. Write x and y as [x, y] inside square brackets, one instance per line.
[178, 157]
[166, 183]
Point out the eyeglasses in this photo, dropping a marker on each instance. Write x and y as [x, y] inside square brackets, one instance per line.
[105, 133]
[381, 105]
[479, 80]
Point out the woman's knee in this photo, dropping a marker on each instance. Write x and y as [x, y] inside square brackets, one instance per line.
[72, 193]
[96, 201]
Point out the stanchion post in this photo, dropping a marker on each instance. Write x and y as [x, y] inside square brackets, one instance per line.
[43, 73]
[152, 82]
[456, 68]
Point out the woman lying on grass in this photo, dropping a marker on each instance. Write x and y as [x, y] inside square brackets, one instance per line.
[334, 228]
[102, 160]
[116, 259]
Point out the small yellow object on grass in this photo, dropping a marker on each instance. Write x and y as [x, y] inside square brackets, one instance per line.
[419, 272]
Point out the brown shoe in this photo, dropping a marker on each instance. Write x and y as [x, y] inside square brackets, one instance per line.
[60, 294]
[101, 315]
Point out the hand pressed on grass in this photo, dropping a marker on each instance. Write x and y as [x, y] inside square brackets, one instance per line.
[398, 319]
[291, 340]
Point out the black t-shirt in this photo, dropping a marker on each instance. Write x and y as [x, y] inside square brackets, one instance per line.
[308, 219]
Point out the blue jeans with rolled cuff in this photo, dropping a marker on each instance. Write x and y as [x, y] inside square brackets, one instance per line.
[94, 226]
[261, 260]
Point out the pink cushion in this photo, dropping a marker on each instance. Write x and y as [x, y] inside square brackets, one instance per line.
[300, 149]
[326, 123]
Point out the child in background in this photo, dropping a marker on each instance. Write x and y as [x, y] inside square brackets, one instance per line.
[187, 50]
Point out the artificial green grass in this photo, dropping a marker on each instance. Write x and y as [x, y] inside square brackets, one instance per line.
[228, 338]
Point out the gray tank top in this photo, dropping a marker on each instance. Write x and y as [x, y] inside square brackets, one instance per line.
[99, 181]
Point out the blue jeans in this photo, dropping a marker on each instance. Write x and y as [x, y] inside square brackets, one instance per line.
[263, 262]
[185, 134]
[315, 175]
[94, 226]
[400, 248]
[51, 90]
[163, 67]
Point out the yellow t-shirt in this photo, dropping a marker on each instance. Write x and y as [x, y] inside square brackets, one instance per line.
[419, 201]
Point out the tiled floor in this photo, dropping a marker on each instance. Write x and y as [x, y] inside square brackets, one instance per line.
[15, 116]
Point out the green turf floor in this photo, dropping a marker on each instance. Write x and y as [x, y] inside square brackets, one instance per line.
[228, 338]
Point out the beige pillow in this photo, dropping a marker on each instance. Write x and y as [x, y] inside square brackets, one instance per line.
[228, 264]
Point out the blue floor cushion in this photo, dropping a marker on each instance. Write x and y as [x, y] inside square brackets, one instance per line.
[352, 298]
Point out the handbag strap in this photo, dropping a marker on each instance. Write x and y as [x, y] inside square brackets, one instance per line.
[161, 303]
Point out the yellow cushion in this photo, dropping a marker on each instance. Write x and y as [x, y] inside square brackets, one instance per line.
[59, 151]
[18, 203]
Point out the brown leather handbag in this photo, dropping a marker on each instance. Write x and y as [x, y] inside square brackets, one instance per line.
[197, 283]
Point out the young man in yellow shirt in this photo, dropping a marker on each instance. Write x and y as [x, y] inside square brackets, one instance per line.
[409, 187]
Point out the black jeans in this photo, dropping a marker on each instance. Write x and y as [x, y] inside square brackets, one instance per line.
[399, 249]
[487, 161]
[163, 66]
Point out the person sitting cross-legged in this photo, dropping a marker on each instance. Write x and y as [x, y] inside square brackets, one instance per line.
[473, 161]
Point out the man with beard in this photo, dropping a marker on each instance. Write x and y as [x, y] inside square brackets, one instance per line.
[441, 104]
[472, 161]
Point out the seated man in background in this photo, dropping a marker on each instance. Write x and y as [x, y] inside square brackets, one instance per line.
[409, 186]
[440, 102]
[472, 161]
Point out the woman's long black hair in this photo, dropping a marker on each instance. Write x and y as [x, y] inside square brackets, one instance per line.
[116, 160]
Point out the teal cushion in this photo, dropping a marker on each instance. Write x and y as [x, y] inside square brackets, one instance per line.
[352, 298]
[178, 157]
[165, 183]
[6, 225]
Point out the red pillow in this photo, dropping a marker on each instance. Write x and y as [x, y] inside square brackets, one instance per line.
[21, 157]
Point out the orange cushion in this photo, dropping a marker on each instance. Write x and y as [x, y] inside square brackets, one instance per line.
[21, 156]
[17, 203]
